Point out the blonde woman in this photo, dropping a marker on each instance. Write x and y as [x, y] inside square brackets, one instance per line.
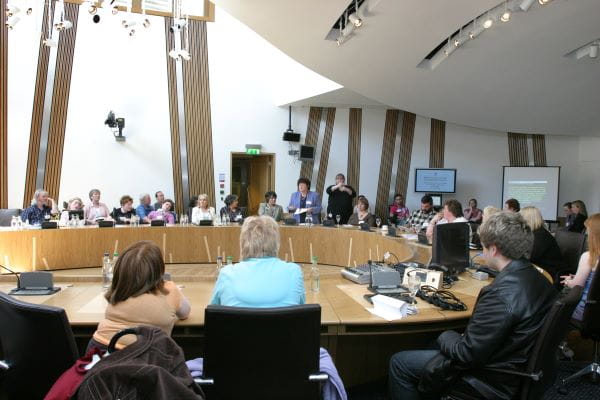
[545, 252]
[488, 212]
[202, 212]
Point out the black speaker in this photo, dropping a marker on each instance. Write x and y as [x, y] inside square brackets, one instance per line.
[290, 221]
[49, 225]
[329, 223]
[291, 136]
[157, 222]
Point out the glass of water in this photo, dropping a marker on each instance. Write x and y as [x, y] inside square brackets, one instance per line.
[414, 284]
[378, 222]
[338, 218]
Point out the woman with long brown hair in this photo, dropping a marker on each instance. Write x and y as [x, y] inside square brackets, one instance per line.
[580, 212]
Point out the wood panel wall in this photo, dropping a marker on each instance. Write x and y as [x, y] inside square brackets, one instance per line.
[518, 154]
[354, 132]
[437, 141]
[406, 145]
[539, 150]
[312, 136]
[197, 118]
[3, 110]
[60, 103]
[387, 162]
[36, 115]
[325, 148]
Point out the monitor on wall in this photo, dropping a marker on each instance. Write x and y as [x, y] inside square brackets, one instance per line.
[307, 153]
[435, 180]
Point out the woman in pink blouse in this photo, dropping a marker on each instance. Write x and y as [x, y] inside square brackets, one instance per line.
[164, 212]
[473, 214]
[95, 210]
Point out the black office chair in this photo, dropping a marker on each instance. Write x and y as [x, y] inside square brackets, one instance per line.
[262, 353]
[6, 215]
[541, 370]
[571, 245]
[38, 346]
[590, 329]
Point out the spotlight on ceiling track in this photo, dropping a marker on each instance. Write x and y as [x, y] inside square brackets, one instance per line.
[12, 10]
[526, 4]
[29, 11]
[12, 21]
[93, 9]
[488, 23]
[355, 20]
[505, 16]
[543, 2]
[594, 50]
[63, 25]
[115, 10]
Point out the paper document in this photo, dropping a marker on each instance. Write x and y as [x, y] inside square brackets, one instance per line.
[410, 236]
[301, 210]
[388, 308]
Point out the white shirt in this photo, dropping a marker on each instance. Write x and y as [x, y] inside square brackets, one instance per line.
[202, 215]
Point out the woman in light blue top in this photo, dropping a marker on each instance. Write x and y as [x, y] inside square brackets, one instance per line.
[260, 279]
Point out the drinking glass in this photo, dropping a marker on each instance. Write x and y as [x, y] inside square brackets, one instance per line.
[414, 283]
[309, 220]
[378, 222]
[338, 217]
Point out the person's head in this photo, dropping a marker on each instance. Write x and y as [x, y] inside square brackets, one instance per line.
[145, 199]
[362, 203]
[505, 236]
[567, 208]
[399, 200]
[40, 197]
[303, 185]
[512, 205]
[159, 196]
[94, 195]
[168, 205]
[452, 210]
[259, 237]
[339, 178]
[231, 201]
[488, 212]
[578, 207]
[75, 204]
[271, 198]
[426, 203]
[203, 201]
[473, 203]
[592, 225]
[126, 203]
[533, 217]
[138, 270]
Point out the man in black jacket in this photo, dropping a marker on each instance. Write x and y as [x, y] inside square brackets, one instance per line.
[501, 332]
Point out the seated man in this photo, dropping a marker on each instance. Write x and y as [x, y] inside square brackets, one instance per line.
[501, 332]
[423, 215]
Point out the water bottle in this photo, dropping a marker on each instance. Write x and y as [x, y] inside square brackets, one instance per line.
[106, 271]
[314, 276]
[309, 220]
[219, 264]
[13, 223]
[229, 260]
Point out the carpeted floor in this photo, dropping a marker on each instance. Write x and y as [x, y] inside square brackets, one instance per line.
[582, 389]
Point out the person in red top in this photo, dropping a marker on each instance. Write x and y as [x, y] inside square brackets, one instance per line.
[473, 214]
[398, 210]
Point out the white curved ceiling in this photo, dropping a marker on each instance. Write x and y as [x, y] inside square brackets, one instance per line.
[514, 77]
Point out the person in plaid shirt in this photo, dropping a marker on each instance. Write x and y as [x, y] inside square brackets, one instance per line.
[425, 214]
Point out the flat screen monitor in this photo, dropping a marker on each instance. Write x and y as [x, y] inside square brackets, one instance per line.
[307, 153]
[435, 180]
[437, 200]
[533, 186]
[450, 246]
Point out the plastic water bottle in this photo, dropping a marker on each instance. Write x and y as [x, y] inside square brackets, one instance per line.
[219, 264]
[309, 220]
[315, 283]
[229, 260]
[106, 271]
[13, 223]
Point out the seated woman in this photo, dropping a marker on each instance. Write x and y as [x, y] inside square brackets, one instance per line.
[139, 295]
[512, 205]
[473, 214]
[545, 252]
[269, 207]
[451, 213]
[202, 212]
[96, 210]
[398, 210]
[362, 214]
[588, 264]
[123, 214]
[260, 279]
[232, 209]
[165, 212]
[580, 212]
[74, 204]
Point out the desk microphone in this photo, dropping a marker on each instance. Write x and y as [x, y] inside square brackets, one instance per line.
[14, 273]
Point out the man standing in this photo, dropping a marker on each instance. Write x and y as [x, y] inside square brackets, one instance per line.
[501, 332]
[424, 214]
[160, 199]
[340, 199]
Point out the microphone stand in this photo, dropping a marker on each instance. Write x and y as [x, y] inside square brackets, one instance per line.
[15, 274]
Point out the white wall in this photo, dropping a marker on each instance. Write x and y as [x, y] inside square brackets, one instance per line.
[589, 176]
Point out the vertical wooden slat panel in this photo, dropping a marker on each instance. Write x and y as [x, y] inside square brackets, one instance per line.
[325, 150]
[36, 115]
[406, 145]
[3, 110]
[60, 102]
[173, 109]
[354, 133]
[437, 143]
[387, 161]
[517, 150]
[539, 150]
[312, 135]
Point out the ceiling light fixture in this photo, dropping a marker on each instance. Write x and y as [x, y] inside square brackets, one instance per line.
[505, 17]
[12, 10]
[354, 18]
[526, 4]
[543, 2]
[488, 22]
[594, 50]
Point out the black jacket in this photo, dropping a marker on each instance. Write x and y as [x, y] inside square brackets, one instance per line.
[545, 252]
[501, 333]
[577, 225]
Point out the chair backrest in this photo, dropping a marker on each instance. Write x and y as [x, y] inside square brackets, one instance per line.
[262, 353]
[6, 215]
[544, 356]
[590, 325]
[38, 346]
[571, 245]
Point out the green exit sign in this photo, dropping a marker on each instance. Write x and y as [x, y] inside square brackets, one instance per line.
[253, 152]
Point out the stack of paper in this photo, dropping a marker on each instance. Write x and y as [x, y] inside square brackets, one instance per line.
[388, 308]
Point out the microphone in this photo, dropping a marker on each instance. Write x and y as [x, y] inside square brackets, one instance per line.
[371, 272]
[14, 273]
